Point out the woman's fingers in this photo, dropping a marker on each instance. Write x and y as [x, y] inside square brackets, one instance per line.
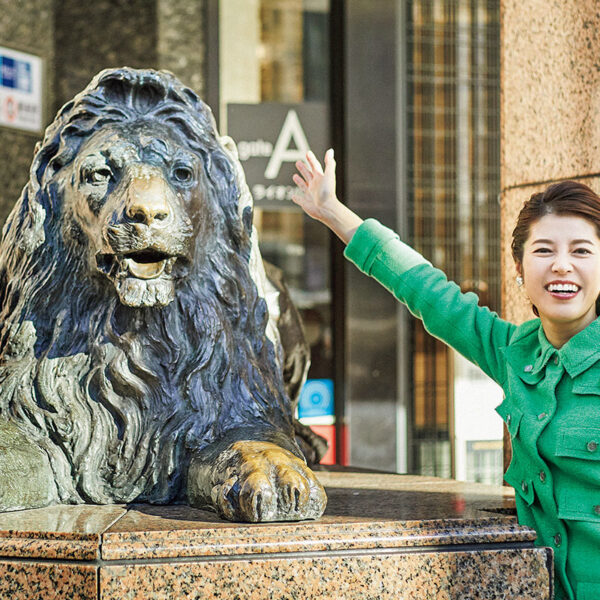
[304, 171]
[314, 163]
[300, 182]
[329, 160]
[315, 186]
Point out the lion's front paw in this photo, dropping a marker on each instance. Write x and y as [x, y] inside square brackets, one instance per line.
[259, 481]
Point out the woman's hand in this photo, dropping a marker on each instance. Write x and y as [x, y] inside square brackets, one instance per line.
[316, 196]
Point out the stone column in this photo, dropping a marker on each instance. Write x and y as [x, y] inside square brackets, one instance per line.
[156, 34]
[550, 114]
[550, 110]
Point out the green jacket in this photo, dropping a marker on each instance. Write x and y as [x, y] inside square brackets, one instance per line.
[551, 405]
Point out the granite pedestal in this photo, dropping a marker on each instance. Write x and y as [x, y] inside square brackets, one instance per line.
[382, 537]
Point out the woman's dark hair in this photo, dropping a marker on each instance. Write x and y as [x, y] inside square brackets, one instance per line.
[564, 198]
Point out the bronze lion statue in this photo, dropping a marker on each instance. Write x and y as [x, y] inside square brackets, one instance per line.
[139, 358]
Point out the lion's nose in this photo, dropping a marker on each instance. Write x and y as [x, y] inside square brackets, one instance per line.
[147, 201]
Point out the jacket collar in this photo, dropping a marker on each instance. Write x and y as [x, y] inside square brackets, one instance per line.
[529, 350]
[582, 350]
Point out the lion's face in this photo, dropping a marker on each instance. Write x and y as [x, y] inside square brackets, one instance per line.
[134, 194]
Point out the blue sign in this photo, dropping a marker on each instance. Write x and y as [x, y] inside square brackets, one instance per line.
[20, 90]
[15, 74]
[316, 399]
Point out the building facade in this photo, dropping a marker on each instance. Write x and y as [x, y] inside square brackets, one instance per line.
[408, 94]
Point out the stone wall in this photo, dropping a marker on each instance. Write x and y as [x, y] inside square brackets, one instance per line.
[77, 39]
[27, 26]
[550, 110]
[181, 33]
[91, 36]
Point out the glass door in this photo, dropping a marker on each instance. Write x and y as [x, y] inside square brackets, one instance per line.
[273, 100]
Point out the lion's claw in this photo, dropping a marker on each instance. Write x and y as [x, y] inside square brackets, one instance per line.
[222, 498]
[257, 499]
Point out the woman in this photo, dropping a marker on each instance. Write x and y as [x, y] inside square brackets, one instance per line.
[549, 367]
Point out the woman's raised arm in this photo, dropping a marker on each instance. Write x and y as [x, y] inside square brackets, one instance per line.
[449, 315]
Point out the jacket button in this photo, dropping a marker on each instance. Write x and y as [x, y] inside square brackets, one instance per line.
[556, 360]
[592, 446]
[543, 476]
[524, 486]
[597, 509]
[557, 540]
[542, 416]
[528, 368]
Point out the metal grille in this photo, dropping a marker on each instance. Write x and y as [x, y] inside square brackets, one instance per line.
[454, 182]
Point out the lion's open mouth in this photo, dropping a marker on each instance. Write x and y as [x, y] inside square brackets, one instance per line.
[146, 264]
[141, 264]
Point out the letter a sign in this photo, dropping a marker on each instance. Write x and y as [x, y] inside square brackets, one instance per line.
[270, 138]
[290, 132]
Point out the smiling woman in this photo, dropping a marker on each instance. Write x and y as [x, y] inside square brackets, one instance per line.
[549, 367]
[557, 229]
[560, 268]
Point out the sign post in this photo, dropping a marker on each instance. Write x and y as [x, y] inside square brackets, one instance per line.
[20, 90]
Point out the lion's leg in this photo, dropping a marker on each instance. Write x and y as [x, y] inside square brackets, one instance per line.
[256, 481]
[26, 479]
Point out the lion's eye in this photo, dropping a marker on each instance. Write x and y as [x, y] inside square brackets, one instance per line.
[98, 176]
[183, 174]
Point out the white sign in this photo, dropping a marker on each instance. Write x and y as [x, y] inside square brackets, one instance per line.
[270, 138]
[20, 90]
[291, 132]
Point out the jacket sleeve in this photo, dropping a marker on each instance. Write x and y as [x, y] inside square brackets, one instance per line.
[455, 318]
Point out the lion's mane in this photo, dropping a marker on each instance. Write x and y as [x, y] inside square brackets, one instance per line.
[120, 397]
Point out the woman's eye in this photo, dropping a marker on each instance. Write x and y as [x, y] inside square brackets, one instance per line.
[183, 174]
[542, 251]
[582, 251]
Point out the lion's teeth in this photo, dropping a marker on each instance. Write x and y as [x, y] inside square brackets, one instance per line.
[169, 266]
[145, 270]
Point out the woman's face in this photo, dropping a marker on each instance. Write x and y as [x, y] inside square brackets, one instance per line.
[561, 274]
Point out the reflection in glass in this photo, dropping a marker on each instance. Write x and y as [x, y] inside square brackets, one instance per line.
[278, 51]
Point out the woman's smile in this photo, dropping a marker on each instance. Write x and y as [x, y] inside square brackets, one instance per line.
[565, 290]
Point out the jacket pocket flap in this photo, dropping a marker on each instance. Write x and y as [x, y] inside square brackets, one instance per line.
[588, 591]
[579, 442]
[521, 481]
[511, 415]
[579, 504]
[587, 382]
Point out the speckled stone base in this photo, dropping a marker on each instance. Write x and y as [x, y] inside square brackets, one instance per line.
[382, 536]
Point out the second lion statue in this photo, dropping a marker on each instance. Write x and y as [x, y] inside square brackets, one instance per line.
[139, 360]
